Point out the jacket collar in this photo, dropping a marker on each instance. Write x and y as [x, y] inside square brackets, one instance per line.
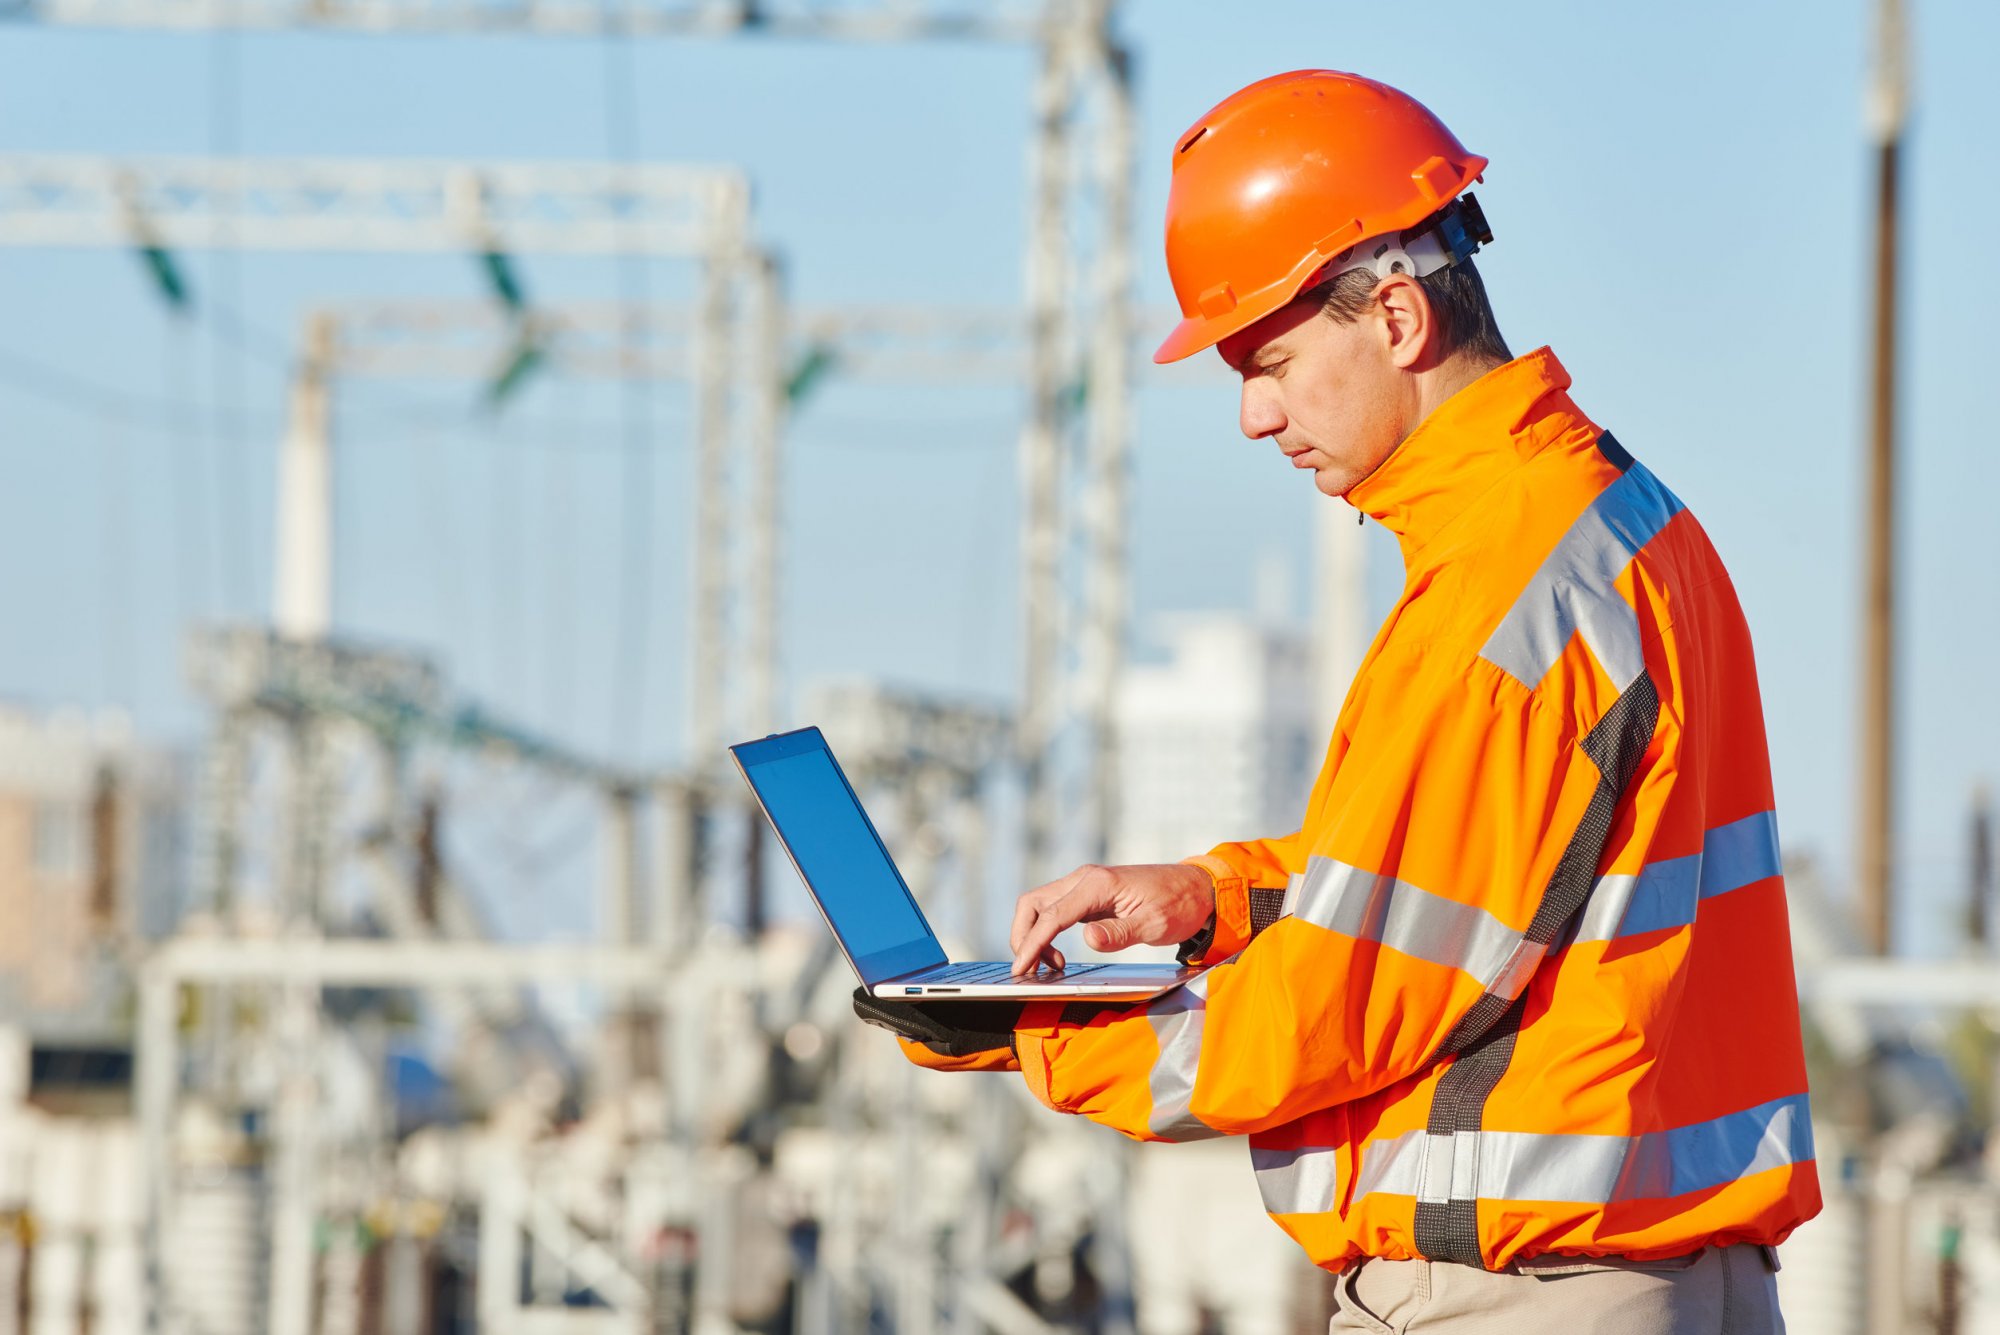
[1467, 445]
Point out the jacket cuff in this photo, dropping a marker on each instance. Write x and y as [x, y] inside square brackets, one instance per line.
[992, 1059]
[1241, 911]
[1033, 1042]
[1231, 927]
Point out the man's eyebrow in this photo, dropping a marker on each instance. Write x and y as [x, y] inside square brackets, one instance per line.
[1247, 361]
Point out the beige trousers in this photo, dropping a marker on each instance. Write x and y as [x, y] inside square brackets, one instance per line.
[1715, 1291]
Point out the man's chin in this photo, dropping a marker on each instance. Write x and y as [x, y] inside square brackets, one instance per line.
[1333, 482]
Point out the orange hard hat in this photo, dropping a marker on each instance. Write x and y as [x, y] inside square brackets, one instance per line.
[1289, 176]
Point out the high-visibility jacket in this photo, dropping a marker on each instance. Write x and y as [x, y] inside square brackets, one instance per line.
[1521, 982]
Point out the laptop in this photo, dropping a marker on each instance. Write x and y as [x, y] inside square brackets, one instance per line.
[865, 901]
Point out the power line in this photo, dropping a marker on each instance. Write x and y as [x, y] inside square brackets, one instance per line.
[116, 555]
[448, 620]
[560, 585]
[190, 517]
[79, 395]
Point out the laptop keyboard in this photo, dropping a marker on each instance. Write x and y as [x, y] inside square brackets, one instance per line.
[1004, 973]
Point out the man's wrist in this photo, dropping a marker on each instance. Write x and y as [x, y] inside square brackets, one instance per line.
[1197, 945]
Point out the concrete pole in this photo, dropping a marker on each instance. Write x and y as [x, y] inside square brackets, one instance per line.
[500, 1210]
[677, 916]
[1340, 607]
[621, 868]
[156, 1081]
[295, 1127]
[624, 1024]
[1875, 856]
[302, 600]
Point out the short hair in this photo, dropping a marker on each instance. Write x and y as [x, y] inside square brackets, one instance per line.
[1465, 321]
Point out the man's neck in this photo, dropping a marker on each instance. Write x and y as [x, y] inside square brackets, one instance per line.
[1432, 386]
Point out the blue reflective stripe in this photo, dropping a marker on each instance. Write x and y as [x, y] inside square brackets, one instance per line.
[1662, 895]
[1575, 590]
[1740, 853]
[1529, 1166]
[1665, 894]
[1710, 1154]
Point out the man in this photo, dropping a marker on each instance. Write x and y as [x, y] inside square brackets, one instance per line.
[1510, 1020]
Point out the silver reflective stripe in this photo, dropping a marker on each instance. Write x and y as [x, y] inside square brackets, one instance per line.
[1575, 591]
[1373, 906]
[1526, 1166]
[1177, 1021]
[1665, 894]
[1291, 901]
[1289, 1176]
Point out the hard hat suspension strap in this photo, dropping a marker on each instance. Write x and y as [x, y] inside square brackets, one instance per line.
[1451, 234]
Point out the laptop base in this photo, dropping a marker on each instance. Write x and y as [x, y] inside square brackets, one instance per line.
[1090, 982]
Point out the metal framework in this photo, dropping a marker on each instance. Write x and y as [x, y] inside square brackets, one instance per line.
[826, 20]
[899, 344]
[373, 205]
[404, 338]
[1078, 279]
[300, 970]
[488, 209]
[1073, 456]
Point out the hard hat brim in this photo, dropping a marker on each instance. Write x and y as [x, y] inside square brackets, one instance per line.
[1198, 331]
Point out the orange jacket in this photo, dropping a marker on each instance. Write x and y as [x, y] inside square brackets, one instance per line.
[1522, 980]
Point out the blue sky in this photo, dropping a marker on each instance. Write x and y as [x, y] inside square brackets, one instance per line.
[1679, 193]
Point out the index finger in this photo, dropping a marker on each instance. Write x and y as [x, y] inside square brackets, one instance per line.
[1052, 920]
[1029, 906]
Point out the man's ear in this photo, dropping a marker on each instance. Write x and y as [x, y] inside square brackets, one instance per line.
[1407, 322]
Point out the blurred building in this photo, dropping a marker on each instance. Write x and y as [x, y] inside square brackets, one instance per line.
[90, 865]
[1218, 740]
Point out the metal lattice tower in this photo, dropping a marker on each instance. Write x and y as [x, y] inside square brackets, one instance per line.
[1080, 186]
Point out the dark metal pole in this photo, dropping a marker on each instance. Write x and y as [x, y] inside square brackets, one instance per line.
[1979, 888]
[1876, 851]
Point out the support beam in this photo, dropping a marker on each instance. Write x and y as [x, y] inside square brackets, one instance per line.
[371, 963]
[408, 206]
[825, 20]
[1879, 982]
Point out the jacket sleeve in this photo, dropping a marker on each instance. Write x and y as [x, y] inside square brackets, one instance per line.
[1450, 820]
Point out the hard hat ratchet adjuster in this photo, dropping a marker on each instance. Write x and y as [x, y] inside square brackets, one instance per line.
[1451, 234]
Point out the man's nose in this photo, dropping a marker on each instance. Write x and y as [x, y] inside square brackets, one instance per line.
[1260, 414]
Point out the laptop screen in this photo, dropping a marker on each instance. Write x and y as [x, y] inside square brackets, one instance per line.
[829, 836]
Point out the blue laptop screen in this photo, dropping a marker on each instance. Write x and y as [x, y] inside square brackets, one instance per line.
[848, 871]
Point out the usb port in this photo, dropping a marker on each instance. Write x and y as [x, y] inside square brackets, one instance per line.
[913, 991]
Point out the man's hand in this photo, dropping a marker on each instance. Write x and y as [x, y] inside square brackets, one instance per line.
[1158, 905]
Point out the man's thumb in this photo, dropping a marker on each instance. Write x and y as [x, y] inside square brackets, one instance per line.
[1110, 934]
